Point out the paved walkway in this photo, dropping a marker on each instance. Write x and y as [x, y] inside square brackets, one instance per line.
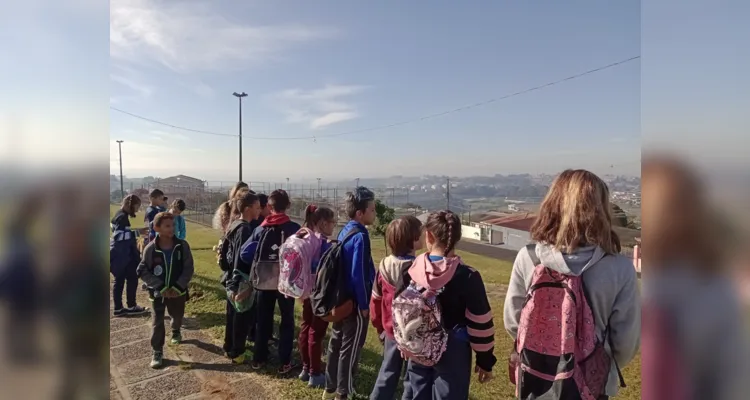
[196, 369]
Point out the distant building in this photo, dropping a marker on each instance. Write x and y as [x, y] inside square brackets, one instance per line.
[179, 186]
[513, 232]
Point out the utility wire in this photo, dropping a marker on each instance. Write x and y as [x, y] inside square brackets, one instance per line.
[380, 127]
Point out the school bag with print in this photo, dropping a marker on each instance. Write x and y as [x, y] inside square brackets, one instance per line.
[557, 353]
[330, 297]
[417, 325]
[266, 266]
[297, 253]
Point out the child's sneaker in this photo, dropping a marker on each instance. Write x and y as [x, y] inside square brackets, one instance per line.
[176, 338]
[157, 360]
[329, 396]
[284, 369]
[119, 313]
[317, 381]
[243, 358]
[136, 310]
[256, 365]
[305, 375]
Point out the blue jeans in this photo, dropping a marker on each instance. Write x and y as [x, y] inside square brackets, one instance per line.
[390, 373]
[450, 378]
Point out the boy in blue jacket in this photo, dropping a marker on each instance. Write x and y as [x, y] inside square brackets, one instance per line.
[348, 335]
[261, 251]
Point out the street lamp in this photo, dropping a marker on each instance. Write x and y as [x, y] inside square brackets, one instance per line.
[287, 184]
[319, 188]
[240, 96]
[357, 183]
[122, 184]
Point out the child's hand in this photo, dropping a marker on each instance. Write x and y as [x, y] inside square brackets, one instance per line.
[381, 336]
[241, 295]
[365, 313]
[484, 376]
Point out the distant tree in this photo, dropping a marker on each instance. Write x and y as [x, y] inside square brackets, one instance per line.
[619, 217]
[116, 195]
[412, 205]
[384, 217]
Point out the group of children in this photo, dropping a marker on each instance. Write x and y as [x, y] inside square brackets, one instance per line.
[249, 256]
[431, 310]
[164, 263]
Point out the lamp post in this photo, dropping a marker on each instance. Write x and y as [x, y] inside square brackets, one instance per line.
[287, 184]
[122, 184]
[240, 96]
[318, 187]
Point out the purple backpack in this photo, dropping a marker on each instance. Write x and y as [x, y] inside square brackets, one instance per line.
[417, 325]
[557, 354]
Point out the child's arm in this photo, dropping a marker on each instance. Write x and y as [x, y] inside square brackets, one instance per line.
[479, 323]
[182, 233]
[144, 270]
[376, 303]
[357, 273]
[188, 268]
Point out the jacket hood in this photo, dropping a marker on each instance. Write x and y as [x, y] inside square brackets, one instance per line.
[433, 275]
[392, 268]
[575, 263]
[275, 219]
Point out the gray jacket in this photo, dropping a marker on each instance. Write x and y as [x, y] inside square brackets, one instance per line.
[612, 286]
[160, 273]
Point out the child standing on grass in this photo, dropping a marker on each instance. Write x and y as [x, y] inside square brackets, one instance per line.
[348, 335]
[321, 222]
[404, 238]
[238, 322]
[465, 314]
[124, 257]
[180, 230]
[167, 268]
[262, 251]
[254, 224]
[156, 199]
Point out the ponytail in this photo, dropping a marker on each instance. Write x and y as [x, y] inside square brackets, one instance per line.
[310, 220]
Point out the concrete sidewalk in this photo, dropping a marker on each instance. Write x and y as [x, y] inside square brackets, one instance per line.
[196, 369]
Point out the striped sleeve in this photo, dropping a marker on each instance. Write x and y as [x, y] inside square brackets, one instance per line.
[479, 322]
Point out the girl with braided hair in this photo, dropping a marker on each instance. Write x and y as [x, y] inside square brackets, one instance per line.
[465, 314]
[226, 213]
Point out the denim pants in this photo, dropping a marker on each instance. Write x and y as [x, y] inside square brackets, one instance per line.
[266, 303]
[390, 373]
[450, 378]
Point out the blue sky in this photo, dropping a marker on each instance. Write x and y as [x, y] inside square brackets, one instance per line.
[318, 68]
[315, 70]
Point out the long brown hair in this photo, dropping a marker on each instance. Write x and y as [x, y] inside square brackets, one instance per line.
[680, 226]
[576, 212]
[227, 212]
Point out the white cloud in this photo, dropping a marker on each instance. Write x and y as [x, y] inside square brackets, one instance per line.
[192, 36]
[318, 108]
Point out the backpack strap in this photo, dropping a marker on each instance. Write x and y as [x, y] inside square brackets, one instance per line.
[607, 336]
[350, 235]
[531, 247]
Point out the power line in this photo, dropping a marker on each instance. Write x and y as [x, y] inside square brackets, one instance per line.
[380, 127]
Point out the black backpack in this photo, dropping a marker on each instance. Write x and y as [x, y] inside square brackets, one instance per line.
[226, 259]
[330, 298]
[266, 266]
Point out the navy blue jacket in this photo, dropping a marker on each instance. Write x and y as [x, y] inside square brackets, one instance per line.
[123, 246]
[358, 256]
[248, 249]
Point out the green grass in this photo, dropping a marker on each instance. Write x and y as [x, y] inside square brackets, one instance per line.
[207, 304]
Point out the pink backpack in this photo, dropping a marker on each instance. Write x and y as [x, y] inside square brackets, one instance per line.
[417, 325]
[296, 256]
[557, 353]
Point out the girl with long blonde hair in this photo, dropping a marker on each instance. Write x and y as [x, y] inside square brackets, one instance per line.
[574, 238]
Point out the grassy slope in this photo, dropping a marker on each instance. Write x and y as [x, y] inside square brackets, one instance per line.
[207, 304]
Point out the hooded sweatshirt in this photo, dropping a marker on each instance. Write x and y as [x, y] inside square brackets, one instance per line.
[289, 227]
[612, 287]
[463, 301]
[390, 272]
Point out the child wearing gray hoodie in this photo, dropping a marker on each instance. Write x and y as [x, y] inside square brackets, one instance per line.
[575, 238]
